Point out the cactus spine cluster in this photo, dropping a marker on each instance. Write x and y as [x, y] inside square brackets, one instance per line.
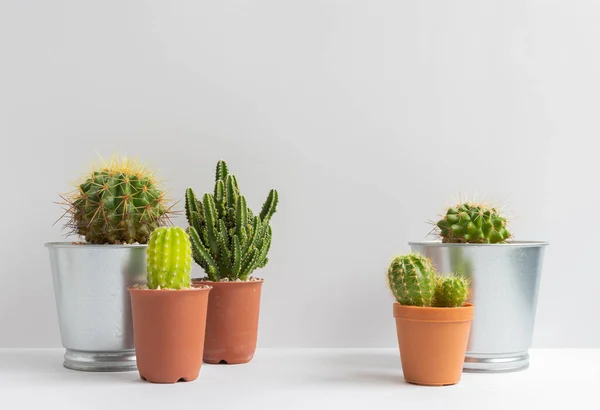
[117, 203]
[414, 282]
[169, 259]
[473, 223]
[228, 240]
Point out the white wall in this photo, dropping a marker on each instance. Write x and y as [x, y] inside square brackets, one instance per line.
[368, 116]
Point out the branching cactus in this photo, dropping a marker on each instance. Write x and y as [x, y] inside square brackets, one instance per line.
[414, 282]
[169, 259]
[473, 223]
[411, 279]
[228, 240]
[117, 203]
[451, 291]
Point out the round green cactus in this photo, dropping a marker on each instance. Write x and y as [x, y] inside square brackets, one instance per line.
[169, 259]
[411, 279]
[473, 223]
[451, 291]
[118, 203]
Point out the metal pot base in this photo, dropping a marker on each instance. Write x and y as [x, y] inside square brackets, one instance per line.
[496, 363]
[121, 361]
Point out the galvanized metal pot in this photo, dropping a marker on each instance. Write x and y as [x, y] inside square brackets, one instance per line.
[504, 290]
[94, 308]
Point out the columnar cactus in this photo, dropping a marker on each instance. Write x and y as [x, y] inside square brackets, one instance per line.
[411, 279]
[451, 291]
[414, 282]
[228, 240]
[473, 223]
[117, 203]
[169, 259]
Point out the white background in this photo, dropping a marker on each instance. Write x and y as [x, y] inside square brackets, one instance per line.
[368, 116]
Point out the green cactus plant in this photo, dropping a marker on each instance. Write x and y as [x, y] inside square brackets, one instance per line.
[451, 291]
[117, 203]
[472, 223]
[411, 279]
[228, 240]
[169, 259]
[414, 282]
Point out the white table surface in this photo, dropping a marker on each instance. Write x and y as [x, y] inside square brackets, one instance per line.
[302, 379]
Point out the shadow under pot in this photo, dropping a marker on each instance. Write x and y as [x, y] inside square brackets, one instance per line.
[433, 342]
[168, 327]
[232, 321]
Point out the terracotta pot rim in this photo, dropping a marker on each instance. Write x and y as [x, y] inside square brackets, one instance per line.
[202, 281]
[434, 314]
[194, 288]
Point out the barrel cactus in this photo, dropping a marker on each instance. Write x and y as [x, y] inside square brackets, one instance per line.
[228, 239]
[411, 279]
[414, 282]
[451, 291]
[119, 202]
[169, 259]
[473, 223]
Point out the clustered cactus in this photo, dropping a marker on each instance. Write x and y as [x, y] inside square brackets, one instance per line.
[473, 223]
[228, 240]
[117, 203]
[169, 259]
[413, 282]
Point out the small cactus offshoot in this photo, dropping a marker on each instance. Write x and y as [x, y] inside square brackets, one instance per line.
[473, 223]
[414, 282]
[119, 202]
[169, 259]
[228, 240]
[451, 291]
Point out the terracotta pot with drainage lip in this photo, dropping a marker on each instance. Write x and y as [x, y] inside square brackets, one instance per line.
[232, 321]
[433, 342]
[168, 332]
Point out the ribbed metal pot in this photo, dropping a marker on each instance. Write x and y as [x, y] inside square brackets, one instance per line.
[94, 309]
[504, 290]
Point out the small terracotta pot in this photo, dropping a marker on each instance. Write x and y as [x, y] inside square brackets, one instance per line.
[232, 321]
[433, 342]
[168, 332]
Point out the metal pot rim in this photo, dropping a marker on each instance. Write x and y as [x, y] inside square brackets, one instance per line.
[89, 245]
[518, 244]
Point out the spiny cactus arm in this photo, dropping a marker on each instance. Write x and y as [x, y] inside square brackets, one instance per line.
[248, 264]
[202, 256]
[241, 215]
[264, 263]
[237, 258]
[210, 214]
[190, 204]
[232, 191]
[195, 220]
[264, 250]
[220, 198]
[270, 206]
[224, 256]
[222, 171]
[254, 235]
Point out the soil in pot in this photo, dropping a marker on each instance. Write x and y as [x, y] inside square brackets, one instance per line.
[232, 321]
[169, 327]
[433, 342]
